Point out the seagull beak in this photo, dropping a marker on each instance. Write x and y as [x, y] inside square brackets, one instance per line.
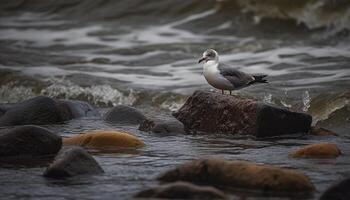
[202, 59]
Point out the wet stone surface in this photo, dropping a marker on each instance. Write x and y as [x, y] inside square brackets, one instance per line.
[217, 113]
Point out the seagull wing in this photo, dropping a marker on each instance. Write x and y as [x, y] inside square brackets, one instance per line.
[237, 78]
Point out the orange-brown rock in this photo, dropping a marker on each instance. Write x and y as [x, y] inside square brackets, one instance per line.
[104, 139]
[322, 150]
[318, 131]
[239, 174]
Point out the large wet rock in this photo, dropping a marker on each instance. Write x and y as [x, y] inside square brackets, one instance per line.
[28, 141]
[124, 115]
[182, 190]
[216, 113]
[163, 125]
[239, 174]
[338, 191]
[43, 110]
[72, 161]
[321, 150]
[104, 139]
[39, 110]
[77, 109]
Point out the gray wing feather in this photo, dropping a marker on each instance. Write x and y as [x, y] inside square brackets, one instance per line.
[237, 78]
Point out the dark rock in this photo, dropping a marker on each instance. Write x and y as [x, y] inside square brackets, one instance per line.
[182, 190]
[72, 161]
[78, 109]
[216, 113]
[124, 115]
[166, 125]
[4, 108]
[26, 161]
[240, 174]
[2, 111]
[43, 110]
[39, 110]
[28, 141]
[339, 191]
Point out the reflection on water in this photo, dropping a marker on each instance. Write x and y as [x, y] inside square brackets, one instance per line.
[131, 171]
[145, 55]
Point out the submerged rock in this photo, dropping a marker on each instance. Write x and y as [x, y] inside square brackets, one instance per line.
[166, 125]
[28, 141]
[338, 191]
[43, 110]
[239, 174]
[216, 113]
[104, 139]
[322, 150]
[318, 131]
[124, 115]
[72, 161]
[182, 190]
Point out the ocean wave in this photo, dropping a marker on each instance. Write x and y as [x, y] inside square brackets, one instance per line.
[168, 101]
[326, 106]
[102, 95]
[13, 94]
[339, 120]
[330, 15]
[314, 14]
[98, 95]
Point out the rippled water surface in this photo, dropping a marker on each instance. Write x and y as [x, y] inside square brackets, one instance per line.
[144, 54]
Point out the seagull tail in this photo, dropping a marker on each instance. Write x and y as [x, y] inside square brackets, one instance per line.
[259, 78]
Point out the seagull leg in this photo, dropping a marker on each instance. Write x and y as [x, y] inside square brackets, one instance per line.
[222, 91]
[230, 92]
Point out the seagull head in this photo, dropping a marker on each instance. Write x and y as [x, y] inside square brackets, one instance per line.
[209, 54]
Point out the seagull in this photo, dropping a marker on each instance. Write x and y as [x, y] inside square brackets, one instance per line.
[224, 77]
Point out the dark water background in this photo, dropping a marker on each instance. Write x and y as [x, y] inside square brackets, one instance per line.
[144, 54]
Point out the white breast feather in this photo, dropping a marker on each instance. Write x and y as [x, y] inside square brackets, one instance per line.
[214, 78]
